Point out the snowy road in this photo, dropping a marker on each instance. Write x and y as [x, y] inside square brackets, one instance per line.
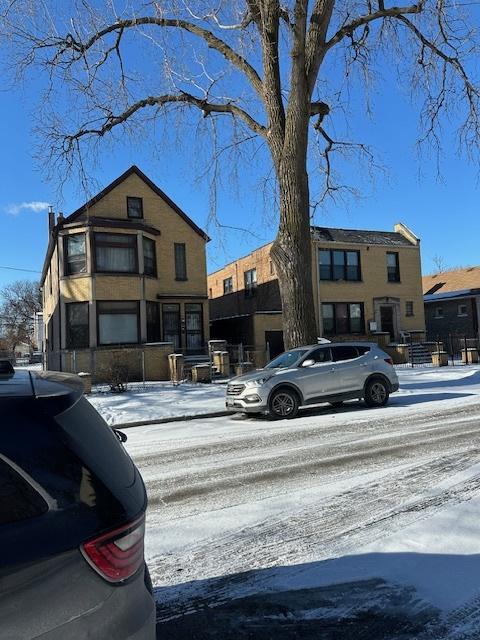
[241, 508]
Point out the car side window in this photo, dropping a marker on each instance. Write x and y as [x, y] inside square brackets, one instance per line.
[18, 499]
[320, 355]
[362, 350]
[344, 352]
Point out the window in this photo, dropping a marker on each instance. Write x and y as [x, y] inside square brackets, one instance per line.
[462, 310]
[78, 334]
[180, 261]
[438, 312]
[149, 257]
[116, 253]
[344, 352]
[343, 318]
[75, 259]
[339, 265]
[227, 285]
[393, 267]
[153, 322]
[409, 308]
[134, 207]
[323, 354]
[210, 292]
[250, 279]
[18, 499]
[117, 322]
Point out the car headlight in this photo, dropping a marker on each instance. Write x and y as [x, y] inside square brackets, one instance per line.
[257, 382]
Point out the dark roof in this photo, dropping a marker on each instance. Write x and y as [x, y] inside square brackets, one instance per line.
[358, 236]
[135, 170]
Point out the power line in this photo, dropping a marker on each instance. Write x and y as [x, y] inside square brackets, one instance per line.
[18, 269]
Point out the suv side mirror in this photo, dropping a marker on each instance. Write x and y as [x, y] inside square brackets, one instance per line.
[308, 363]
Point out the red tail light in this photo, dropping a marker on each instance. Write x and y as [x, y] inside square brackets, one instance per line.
[118, 554]
[389, 361]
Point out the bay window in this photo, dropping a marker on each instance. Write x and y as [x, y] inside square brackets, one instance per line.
[149, 257]
[118, 322]
[116, 253]
[78, 334]
[74, 254]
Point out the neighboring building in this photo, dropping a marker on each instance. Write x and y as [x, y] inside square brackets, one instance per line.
[126, 268]
[452, 303]
[364, 282]
[38, 331]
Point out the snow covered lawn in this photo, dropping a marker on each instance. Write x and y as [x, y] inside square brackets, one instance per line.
[160, 400]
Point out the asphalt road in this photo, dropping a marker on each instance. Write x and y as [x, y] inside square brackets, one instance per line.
[320, 486]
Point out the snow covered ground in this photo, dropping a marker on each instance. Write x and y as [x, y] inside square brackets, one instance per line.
[160, 400]
[157, 401]
[347, 523]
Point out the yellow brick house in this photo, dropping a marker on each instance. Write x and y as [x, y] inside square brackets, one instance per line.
[127, 269]
[365, 283]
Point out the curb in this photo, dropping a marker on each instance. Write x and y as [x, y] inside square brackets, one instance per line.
[146, 423]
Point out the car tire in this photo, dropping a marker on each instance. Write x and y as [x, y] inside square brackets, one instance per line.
[337, 404]
[284, 403]
[377, 393]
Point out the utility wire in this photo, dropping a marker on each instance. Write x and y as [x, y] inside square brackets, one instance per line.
[18, 269]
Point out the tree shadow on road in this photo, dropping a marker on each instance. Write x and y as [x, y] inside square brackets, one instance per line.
[364, 597]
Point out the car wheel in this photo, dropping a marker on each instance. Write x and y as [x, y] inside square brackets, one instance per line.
[284, 403]
[337, 404]
[376, 393]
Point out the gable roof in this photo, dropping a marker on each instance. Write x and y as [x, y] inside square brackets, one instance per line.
[135, 170]
[457, 280]
[360, 236]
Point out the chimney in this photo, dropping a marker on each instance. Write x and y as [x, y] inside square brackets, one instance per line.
[51, 220]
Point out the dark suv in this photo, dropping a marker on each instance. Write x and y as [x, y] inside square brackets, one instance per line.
[72, 518]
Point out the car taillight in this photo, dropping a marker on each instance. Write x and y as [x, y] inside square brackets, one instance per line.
[118, 554]
[389, 361]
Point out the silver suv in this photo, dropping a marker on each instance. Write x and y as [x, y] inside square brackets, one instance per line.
[311, 375]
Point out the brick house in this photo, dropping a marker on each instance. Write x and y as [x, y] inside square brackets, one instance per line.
[364, 282]
[452, 303]
[128, 268]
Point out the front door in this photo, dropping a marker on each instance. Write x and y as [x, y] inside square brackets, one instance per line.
[194, 328]
[386, 320]
[171, 324]
[274, 339]
[317, 379]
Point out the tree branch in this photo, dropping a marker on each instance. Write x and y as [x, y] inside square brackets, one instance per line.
[186, 98]
[392, 12]
[238, 61]
[315, 46]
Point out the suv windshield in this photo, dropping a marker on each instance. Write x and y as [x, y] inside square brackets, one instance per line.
[287, 359]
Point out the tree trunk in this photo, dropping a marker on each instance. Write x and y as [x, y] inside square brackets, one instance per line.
[292, 251]
[291, 254]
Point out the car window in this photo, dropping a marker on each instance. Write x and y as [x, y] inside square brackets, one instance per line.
[320, 355]
[344, 352]
[362, 350]
[18, 499]
[287, 359]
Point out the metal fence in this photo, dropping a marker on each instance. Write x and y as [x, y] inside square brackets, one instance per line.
[450, 349]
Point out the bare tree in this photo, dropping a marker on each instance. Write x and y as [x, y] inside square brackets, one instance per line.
[18, 303]
[439, 262]
[280, 72]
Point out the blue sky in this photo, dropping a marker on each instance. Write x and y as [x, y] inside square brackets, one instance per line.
[443, 213]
